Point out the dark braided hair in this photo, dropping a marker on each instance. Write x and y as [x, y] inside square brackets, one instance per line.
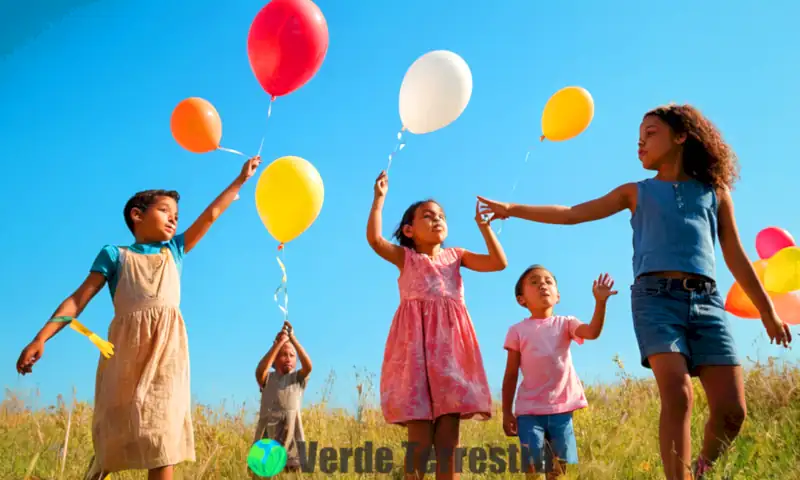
[143, 200]
[706, 156]
[408, 219]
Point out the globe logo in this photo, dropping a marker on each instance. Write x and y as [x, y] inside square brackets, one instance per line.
[266, 458]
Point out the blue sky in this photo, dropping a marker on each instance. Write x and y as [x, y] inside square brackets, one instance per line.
[87, 97]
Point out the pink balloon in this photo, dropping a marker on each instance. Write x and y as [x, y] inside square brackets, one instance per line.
[771, 240]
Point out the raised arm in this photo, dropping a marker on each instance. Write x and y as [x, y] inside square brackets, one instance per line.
[72, 306]
[210, 215]
[385, 249]
[621, 198]
[603, 288]
[496, 259]
[742, 270]
[262, 370]
[305, 360]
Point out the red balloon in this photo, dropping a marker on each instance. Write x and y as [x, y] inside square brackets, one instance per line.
[771, 240]
[287, 43]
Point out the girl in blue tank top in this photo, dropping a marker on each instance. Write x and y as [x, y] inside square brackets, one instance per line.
[678, 314]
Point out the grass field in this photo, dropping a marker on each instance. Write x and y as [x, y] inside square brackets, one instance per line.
[617, 435]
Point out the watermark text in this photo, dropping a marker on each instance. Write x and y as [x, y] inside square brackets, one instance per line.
[372, 459]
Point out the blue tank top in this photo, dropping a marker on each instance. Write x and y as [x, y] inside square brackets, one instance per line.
[674, 228]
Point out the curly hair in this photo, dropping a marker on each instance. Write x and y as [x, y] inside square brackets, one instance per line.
[706, 156]
[143, 200]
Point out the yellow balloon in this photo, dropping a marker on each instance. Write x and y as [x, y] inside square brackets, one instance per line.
[568, 113]
[783, 271]
[289, 197]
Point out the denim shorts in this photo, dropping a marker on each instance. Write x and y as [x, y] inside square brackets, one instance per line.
[557, 430]
[687, 317]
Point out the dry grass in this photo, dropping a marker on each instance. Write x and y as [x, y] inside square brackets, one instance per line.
[617, 435]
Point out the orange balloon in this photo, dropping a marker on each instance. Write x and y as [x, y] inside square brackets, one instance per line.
[787, 305]
[739, 304]
[196, 125]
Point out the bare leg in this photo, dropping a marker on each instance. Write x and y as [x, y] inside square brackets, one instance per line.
[161, 473]
[724, 386]
[445, 440]
[94, 472]
[675, 390]
[559, 469]
[420, 440]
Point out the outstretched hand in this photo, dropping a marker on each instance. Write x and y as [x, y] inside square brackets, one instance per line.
[482, 215]
[381, 185]
[249, 168]
[603, 287]
[498, 210]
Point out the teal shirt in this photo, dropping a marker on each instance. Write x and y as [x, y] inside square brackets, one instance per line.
[107, 261]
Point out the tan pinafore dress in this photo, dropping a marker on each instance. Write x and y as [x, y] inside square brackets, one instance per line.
[280, 416]
[142, 412]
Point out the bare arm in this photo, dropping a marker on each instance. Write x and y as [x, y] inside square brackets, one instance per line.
[386, 250]
[621, 198]
[201, 226]
[73, 305]
[305, 360]
[495, 260]
[743, 272]
[262, 370]
[736, 258]
[602, 289]
[510, 379]
[592, 330]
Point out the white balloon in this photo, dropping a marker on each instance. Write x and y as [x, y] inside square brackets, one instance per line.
[435, 91]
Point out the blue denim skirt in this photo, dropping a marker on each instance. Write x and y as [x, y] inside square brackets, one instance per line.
[682, 316]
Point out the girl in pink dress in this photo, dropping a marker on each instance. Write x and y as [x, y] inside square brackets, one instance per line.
[432, 374]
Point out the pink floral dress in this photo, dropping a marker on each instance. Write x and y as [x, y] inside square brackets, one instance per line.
[432, 364]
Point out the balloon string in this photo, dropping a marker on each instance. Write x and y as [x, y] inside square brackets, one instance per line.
[236, 152]
[401, 143]
[269, 114]
[516, 183]
[282, 289]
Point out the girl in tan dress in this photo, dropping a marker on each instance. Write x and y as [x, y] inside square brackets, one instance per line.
[142, 406]
[282, 394]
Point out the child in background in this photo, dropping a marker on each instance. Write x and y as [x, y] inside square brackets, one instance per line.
[282, 394]
[432, 374]
[678, 314]
[142, 404]
[550, 389]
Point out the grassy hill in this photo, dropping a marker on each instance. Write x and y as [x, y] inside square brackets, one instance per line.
[617, 435]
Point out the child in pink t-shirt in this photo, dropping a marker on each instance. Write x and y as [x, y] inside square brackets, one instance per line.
[550, 389]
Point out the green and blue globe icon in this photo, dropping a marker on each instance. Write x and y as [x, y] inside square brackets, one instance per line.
[267, 458]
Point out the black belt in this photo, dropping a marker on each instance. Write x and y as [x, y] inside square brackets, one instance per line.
[687, 284]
